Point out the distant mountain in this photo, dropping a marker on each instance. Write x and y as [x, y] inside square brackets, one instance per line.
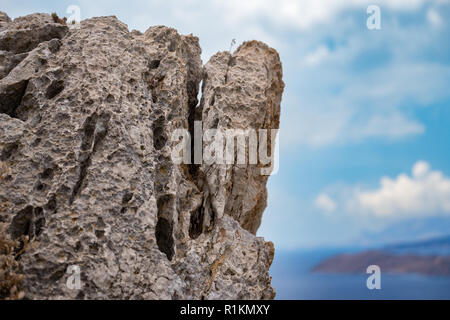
[429, 257]
[388, 262]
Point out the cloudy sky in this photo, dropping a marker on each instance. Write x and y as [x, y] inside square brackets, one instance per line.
[365, 125]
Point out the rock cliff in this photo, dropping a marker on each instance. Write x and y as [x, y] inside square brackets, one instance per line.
[88, 176]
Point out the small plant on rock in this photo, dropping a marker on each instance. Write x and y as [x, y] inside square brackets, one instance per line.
[10, 277]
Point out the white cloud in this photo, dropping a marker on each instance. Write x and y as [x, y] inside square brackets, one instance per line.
[324, 202]
[434, 18]
[388, 126]
[424, 192]
[317, 56]
[335, 106]
[420, 169]
[290, 221]
[303, 14]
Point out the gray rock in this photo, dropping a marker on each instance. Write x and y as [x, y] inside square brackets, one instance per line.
[25, 33]
[9, 61]
[4, 20]
[241, 91]
[86, 119]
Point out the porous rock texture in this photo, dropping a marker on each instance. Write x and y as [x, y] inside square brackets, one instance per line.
[86, 118]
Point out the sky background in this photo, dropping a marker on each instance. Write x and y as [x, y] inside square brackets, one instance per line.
[365, 120]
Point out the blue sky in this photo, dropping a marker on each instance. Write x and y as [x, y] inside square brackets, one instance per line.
[365, 124]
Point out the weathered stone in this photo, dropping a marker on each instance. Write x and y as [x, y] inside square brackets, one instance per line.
[9, 61]
[86, 119]
[4, 20]
[25, 33]
[241, 91]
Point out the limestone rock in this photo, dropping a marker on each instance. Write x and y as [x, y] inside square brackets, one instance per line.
[4, 19]
[241, 91]
[25, 33]
[86, 120]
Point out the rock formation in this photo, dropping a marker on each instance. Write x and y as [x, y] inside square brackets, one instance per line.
[87, 116]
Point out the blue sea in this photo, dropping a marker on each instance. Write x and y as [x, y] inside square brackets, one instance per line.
[292, 279]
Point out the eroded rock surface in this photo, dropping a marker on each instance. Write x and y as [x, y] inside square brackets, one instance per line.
[86, 119]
